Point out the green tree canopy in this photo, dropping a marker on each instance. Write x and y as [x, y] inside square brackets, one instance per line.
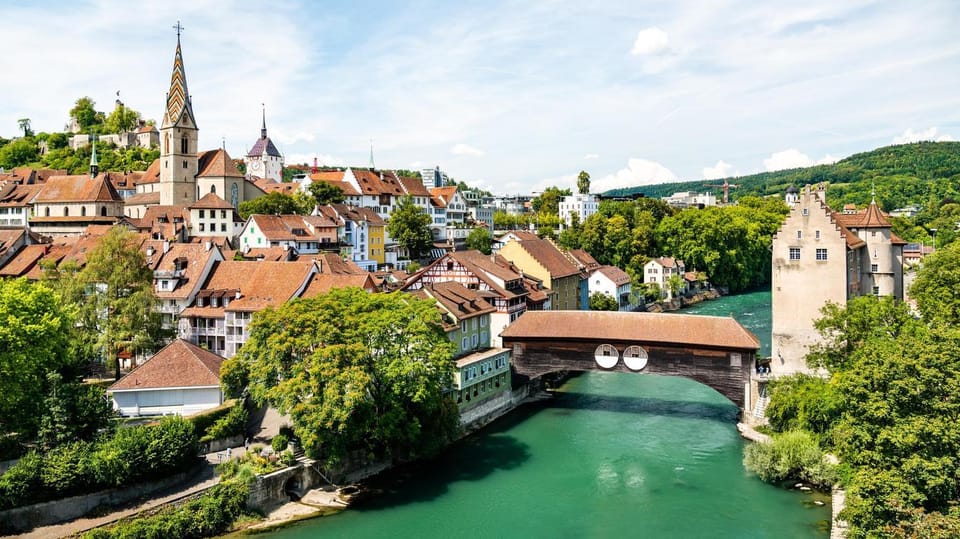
[355, 371]
[549, 200]
[583, 182]
[602, 302]
[935, 288]
[326, 193]
[409, 225]
[276, 203]
[18, 153]
[479, 240]
[122, 119]
[34, 341]
[84, 113]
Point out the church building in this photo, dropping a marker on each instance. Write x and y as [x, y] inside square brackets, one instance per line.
[264, 160]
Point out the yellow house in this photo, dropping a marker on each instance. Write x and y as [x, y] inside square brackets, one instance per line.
[375, 232]
[544, 260]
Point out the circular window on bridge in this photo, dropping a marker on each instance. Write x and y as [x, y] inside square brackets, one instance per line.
[606, 356]
[635, 358]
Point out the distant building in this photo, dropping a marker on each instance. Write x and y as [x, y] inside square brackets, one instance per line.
[264, 160]
[434, 177]
[690, 199]
[659, 271]
[822, 256]
[583, 206]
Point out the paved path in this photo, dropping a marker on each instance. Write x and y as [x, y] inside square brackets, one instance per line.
[201, 481]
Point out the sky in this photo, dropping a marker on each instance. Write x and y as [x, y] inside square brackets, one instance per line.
[509, 96]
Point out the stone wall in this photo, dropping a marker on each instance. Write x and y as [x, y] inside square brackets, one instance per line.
[214, 446]
[21, 519]
[272, 489]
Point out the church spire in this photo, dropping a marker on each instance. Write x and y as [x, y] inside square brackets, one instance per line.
[263, 130]
[371, 155]
[178, 98]
[94, 166]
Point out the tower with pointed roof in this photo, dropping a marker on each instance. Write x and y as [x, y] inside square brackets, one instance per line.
[264, 160]
[178, 140]
[94, 166]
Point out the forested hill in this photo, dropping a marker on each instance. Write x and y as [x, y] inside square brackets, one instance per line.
[918, 173]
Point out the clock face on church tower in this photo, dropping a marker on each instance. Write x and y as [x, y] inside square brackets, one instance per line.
[256, 167]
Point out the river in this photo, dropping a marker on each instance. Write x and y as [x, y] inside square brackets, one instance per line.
[612, 455]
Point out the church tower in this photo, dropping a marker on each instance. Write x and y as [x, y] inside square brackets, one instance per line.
[178, 140]
[264, 160]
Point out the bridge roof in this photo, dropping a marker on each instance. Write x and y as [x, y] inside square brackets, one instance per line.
[683, 329]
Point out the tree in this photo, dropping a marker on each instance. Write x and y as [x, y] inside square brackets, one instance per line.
[479, 239]
[583, 182]
[409, 225]
[121, 120]
[84, 113]
[275, 203]
[24, 124]
[675, 284]
[549, 200]
[20, 152]
[114, 292]
[355, 371]
[34, 340]
[844, 329]
[935, 286]
[72, 411]
[602, 302]
[326, 193]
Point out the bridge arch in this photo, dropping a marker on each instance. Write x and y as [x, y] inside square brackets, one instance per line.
[715, 351]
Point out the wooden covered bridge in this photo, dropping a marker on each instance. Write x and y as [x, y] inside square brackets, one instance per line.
[713, 350]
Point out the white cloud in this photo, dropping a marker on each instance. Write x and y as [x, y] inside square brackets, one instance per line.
[720, 170]
[910, 135]
[794, 158]
[590, 156]
[464, 149]
[827, 160]
[650, 41]
[638, 172]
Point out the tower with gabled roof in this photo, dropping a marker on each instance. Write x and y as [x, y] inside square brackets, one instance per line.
[178, 139]
[264, 159]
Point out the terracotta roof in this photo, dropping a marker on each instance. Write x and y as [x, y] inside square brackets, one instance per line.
[334, 264]
[217, 163]
[179, 364]
[871, 217]
[187, 258]
[77, 188]
[550, 257]
[414, 186]
[24, 260]
[44, 174]
[853, 241]
[378, 183]
[18, 195]
[211, 201]
[458, 300]
[617, 327]
[268, 254]
[152, 174]
[615, 274]
[475, 260]
[441, 196]
[262, 284]
[327, 176]
[584, 259]
[268, 185]
[321, 283]
[147, 129]
[520, 235]
[143, 199]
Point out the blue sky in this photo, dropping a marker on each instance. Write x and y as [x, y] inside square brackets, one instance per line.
[510, 96]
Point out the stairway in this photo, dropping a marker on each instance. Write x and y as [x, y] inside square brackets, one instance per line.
[760, 408]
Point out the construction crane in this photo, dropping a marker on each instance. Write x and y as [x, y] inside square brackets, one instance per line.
[726, 189]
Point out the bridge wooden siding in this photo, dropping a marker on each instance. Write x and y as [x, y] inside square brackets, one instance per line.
[715, 351]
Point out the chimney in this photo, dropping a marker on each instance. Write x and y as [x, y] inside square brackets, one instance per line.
[237, 295]
[166, 246]
[207, 245]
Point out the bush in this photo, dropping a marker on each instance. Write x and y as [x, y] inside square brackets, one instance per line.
[132, 454]
[792, 455]
[211, 514]
[287, 458]
[279, 443]
[231, 424]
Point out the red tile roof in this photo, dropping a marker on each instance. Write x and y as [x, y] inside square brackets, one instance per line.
[77, 188]
[217, 163]
[550, 257]
[262, 283]
[321, 283]
[616, 327]
[458, 300]
[211, 201]
[615, 274]
[179, 364]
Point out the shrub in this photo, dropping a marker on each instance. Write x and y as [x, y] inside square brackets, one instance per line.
[231, 424]
[279, 443]
[793, 455]
[287, 458]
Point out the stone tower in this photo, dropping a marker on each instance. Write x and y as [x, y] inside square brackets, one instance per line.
[264, 160]
[178, 141]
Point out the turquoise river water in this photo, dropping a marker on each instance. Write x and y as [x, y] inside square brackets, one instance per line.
[612, 455]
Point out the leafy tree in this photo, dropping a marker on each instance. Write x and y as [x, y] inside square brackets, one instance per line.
[116, 300]
[57, 141]
[275, 203]
[409, 225]
[675, 284]
[33, 342]
[549, 200]
[602, 302]
[121, 120]
[479, 240]
[936, 284]
[326, 193]
[73, 411]
[355, 371]
[617, 243]
[844, 329]
[84, 113]
[583, 182]
[24, 124]
[20, 152]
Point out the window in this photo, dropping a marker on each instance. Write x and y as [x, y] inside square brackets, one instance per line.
[821, 254]
[164, 284]
[464, 343]
[805, 212]
[483, 321]
[83, 211]
[874, 268]
[875, 252]
[876, 291]
[816, 234]
[223, 227]
[103, 211]
[463, 326]
[475, 340]
[794, 253]
[223, 214]
[46, 212]
[201, 227]
[184, 163]
[873, 233]
[799, 234]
